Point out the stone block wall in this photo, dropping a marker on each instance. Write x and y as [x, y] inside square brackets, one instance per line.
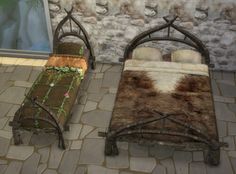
[111, 24]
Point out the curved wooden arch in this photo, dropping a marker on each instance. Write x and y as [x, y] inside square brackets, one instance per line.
[189, 39]
[81, 33]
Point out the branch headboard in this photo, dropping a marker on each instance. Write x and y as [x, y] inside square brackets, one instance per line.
[189, 39]
[79, 33]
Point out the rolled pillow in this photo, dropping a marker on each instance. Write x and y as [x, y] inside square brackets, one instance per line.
[186, 56]
[147, 53]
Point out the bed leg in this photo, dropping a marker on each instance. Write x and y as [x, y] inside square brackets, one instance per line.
[61, 141]
[16, 137]
[16, 132]
[93, 65]
[212, 156]
[111, 147]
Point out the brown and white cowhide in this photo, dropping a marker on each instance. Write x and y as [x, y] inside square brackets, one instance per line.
[178, 90]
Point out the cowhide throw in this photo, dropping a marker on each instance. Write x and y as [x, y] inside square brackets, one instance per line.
[169, 89]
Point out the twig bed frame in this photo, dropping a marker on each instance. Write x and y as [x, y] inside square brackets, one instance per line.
[199, 140]
[50, 118]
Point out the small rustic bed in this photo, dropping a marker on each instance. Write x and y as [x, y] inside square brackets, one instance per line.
[47, 106]
[165, 100]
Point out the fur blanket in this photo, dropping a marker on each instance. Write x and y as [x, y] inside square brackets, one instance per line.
[168, 89]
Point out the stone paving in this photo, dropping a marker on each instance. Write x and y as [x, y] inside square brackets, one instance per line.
[39, 154]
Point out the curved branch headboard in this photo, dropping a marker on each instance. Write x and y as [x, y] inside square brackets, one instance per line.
[189, 40]
[80, 33]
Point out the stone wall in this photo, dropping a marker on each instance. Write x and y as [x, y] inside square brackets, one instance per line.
[111, 24]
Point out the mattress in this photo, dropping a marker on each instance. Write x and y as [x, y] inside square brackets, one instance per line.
[56, 88]
[150, 89]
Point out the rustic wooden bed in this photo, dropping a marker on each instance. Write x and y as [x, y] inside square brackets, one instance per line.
[164, 102]
[47, 106]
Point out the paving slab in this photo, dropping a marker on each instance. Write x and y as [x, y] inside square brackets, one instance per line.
[232, 107]
[81, 170]
[95, 86]
[159, 169]
[76, 144]
[69, 162]
[92, 169]
[161, 152]
[169, 164]
[3, 168]
[44, 154]
[198, 156]
[123, 145]
[85, 131]
[97, 96]
[4, 109]
[14, 167]
[34, 74]
[76, 113]
[98, 68]
[232, 154]
[97, 118]
[23, 84]
[13, 110]
[73, 133]
[4, 77]
[222, 99]
[4, 144]
[224, 166]
[2, 162]
[231, 128]
[118, 162]
[181, 161]
[137, 150]
[217, 75]
[20, 152]
[92, 151]
[107, 102]
[31, 164]
[215, 88]
[86, 81]
[21, 73]
[89, 106]
[228, 76]
[5, 134]
[105, 67]
[126, 173]
[82, 98]
[222, 128]
[55, 156]
[43, 139]
[115, 68]
[230, 141]
[41, 168]
[142, 164]
[233, 162]
[113, 90]
[94, 133]
[223, 113]
[14, 95]
[99, 75]
[3, 122]
[111, 79]
[50, 171]
[197, 168]
[227, 90]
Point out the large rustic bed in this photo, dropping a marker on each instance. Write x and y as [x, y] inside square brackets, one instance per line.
[47, 106]
[165, 100]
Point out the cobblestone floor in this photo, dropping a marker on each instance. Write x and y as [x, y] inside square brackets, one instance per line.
[92, 113]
